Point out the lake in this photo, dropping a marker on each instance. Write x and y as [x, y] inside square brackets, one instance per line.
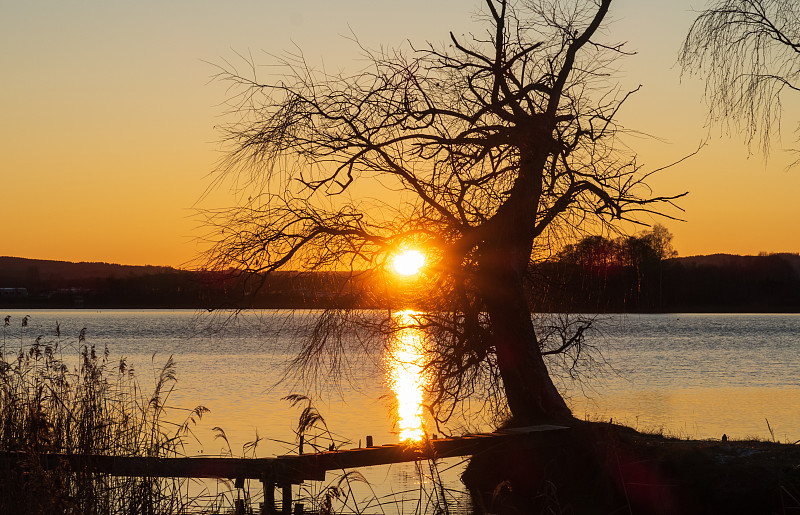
[686, 375]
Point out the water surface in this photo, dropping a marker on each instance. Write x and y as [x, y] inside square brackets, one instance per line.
[687, 375]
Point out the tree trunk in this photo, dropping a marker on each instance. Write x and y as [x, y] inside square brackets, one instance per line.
[532, 397]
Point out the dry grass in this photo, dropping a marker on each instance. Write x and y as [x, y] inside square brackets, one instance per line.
[59, 396]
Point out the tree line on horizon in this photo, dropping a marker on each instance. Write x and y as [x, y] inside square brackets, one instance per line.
[639, 273]
[643, 274]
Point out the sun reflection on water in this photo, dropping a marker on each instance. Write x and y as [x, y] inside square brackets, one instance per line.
[407, 376]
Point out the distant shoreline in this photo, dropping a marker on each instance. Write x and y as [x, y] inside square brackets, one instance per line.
[719, 283]
[35, 307]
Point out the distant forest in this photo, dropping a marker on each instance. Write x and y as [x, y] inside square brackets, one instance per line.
[631, 274]
[601, 275]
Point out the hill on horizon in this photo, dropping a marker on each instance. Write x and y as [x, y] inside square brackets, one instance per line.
[740, 262]
[14, 271]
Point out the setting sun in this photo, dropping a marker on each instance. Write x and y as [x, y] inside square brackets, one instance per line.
[408, 262]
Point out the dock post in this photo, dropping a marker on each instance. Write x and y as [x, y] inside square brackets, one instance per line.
[268, 507]
[286, 491]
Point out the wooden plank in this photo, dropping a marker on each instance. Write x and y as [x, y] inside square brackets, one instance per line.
[268, 506]
[440, 448]
[290, 468]
[197, 467]
[286, 498]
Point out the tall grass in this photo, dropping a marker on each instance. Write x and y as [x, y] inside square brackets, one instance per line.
[65, 397]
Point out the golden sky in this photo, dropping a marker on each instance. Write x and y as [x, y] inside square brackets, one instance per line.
[107, 118]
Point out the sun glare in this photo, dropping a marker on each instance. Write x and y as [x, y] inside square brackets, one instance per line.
[408, 262]
[407, 378]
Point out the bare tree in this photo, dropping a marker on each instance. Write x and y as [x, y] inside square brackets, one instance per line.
[482, 153]
[749, 51]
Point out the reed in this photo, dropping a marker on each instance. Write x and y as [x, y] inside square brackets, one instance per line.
[66, 397]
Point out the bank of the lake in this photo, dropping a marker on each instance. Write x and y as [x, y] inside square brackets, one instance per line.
[604, 468]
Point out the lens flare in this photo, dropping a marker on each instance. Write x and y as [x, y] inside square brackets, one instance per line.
[408, 262]
[407, 377]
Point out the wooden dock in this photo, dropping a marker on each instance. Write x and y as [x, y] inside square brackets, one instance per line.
[288, 470]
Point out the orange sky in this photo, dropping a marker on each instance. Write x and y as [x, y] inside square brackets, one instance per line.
[107, 135]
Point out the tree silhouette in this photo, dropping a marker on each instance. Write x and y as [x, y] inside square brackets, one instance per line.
[620, 274]
[483, 153]
[749, 50]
